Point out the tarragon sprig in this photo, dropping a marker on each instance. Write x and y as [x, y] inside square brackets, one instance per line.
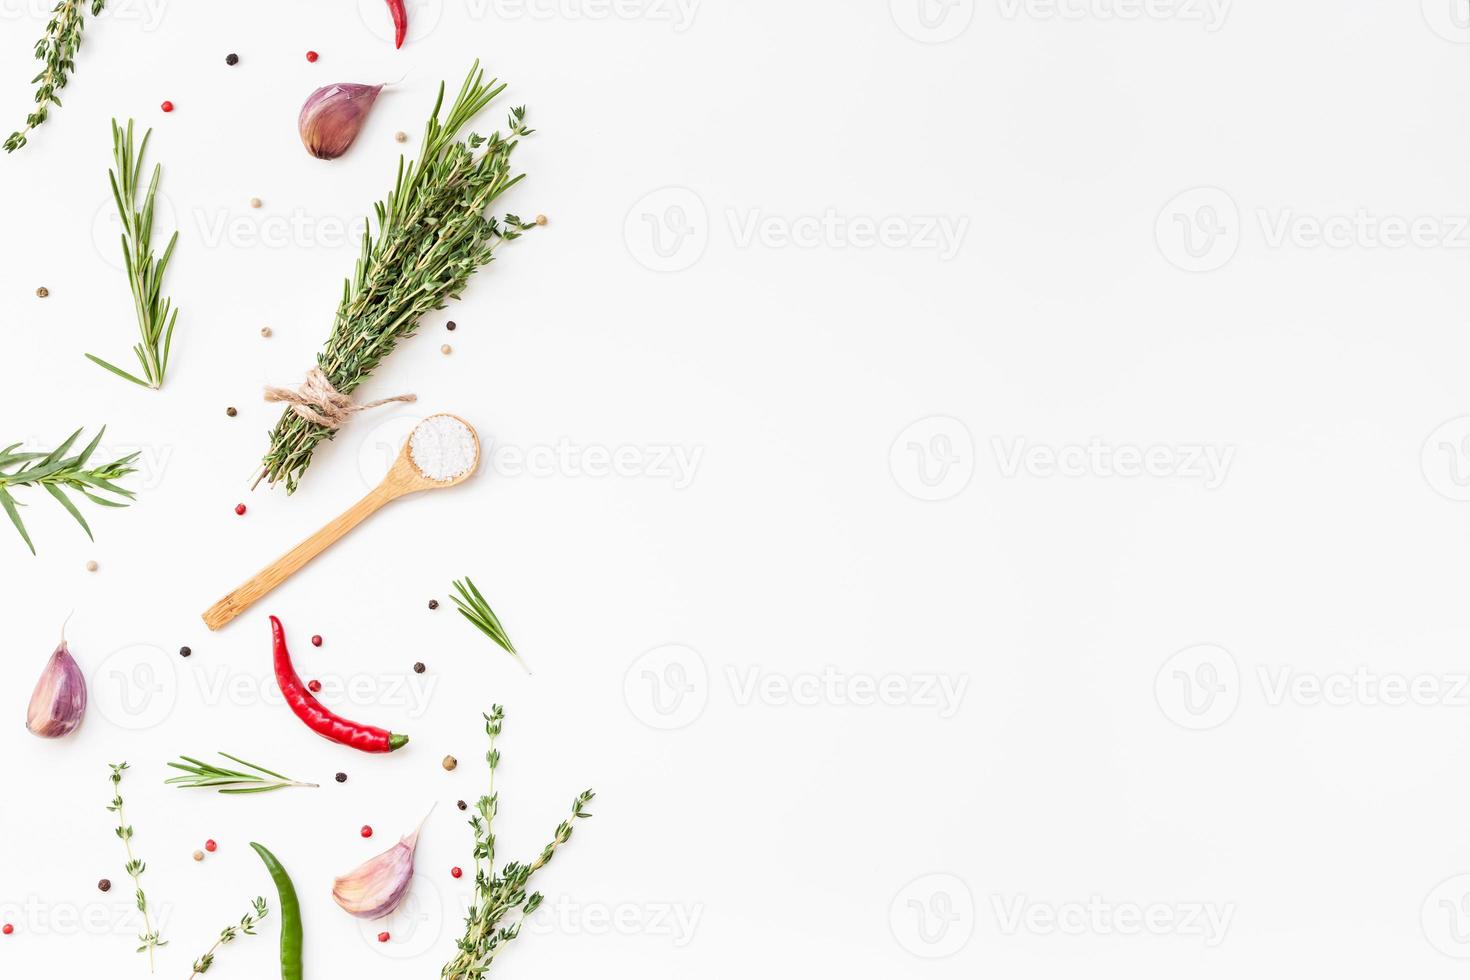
[56, 472]
[498, 896]
[228, 934]
[155, 312]
[149, 938]
[205, 775]
[58, 49]
[433, 234]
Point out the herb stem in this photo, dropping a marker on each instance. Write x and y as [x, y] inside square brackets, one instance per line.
[150, 938]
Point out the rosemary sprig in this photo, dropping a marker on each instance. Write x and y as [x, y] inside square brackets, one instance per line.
[500, 895]
[228, 934]
[135, 868]
[472, 606]
[58, 49]
[433, 234]
[55, 471]
[205, 775]
[156, 315]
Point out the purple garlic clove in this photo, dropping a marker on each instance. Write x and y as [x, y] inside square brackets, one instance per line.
[333, 115]
[60, 698]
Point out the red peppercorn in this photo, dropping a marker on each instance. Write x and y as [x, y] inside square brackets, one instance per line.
[313, 686]
[167, 107]
[316, 641]
[240, 509]
[312, 56]
[456, 871]
[367, 831]
[8, 929]
[211, 846]
[382, 937]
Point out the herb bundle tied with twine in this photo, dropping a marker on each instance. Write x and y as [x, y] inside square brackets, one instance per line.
[433, 234]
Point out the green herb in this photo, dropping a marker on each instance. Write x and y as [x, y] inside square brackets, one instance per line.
[54, 472]
[504, 894]
[433, 234]
[57, 49]
[228, 934]
[156, 315]
[135, 868]
[204, 775]
[472, 606]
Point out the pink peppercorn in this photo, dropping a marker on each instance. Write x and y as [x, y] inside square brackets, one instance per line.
[312, 56]
[367, 831]
[167, 107]
[313, 686]
[240, 509]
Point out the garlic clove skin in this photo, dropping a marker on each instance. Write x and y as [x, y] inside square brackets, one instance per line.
[380, 884]
[60, 698]
[332, 117]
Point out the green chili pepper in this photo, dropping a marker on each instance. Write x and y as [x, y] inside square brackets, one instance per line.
[290, 915]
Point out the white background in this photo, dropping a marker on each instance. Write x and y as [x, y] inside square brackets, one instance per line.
[1212, 228]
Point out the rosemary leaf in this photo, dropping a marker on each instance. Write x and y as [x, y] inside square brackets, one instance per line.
[204, 775]
[155, 312]
[55, 472]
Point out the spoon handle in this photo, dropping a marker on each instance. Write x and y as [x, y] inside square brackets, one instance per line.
[291, 562]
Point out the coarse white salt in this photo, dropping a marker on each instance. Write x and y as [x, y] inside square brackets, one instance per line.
[443, 448]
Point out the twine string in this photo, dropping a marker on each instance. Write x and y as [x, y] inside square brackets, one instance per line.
[317, 401]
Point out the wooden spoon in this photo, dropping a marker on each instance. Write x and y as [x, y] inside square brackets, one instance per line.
[403, 479]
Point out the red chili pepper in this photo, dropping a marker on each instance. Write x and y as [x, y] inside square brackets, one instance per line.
[400, 21]
[367, 738]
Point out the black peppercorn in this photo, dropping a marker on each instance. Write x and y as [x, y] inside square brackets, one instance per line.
[450, 325]
[419, 667]
[433, 603]
[232, 59]
[104, 885]
[461, 805]
[185, 651]
[341, 777]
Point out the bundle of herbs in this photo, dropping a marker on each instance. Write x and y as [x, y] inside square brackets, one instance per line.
[433, 234]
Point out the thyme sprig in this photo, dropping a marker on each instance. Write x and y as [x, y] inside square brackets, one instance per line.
[472, 606]
[58, 49]
[205, 775]
[433, 234]
[229, 933]
[56, 472]
[149, 938]
[502, 895]
[155, 313]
